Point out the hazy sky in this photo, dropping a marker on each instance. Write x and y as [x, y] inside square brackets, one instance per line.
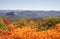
[30, 4]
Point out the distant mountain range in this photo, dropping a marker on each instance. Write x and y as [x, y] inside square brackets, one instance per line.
[29, 13]
[18, 14]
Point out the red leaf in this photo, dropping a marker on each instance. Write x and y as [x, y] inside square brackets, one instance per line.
[6, 21]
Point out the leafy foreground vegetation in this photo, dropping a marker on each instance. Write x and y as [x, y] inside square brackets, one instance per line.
[49, 28]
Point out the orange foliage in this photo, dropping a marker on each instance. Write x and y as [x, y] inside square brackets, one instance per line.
[11, 26]
[29, 33]
[58, 26]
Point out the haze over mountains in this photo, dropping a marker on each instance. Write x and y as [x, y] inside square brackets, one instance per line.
[29, 13]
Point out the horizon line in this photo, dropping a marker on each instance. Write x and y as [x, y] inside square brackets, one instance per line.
[34, 9]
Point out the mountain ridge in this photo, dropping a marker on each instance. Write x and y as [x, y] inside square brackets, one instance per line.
[31, 13]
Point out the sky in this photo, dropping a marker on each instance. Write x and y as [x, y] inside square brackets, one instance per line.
[30, 4]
